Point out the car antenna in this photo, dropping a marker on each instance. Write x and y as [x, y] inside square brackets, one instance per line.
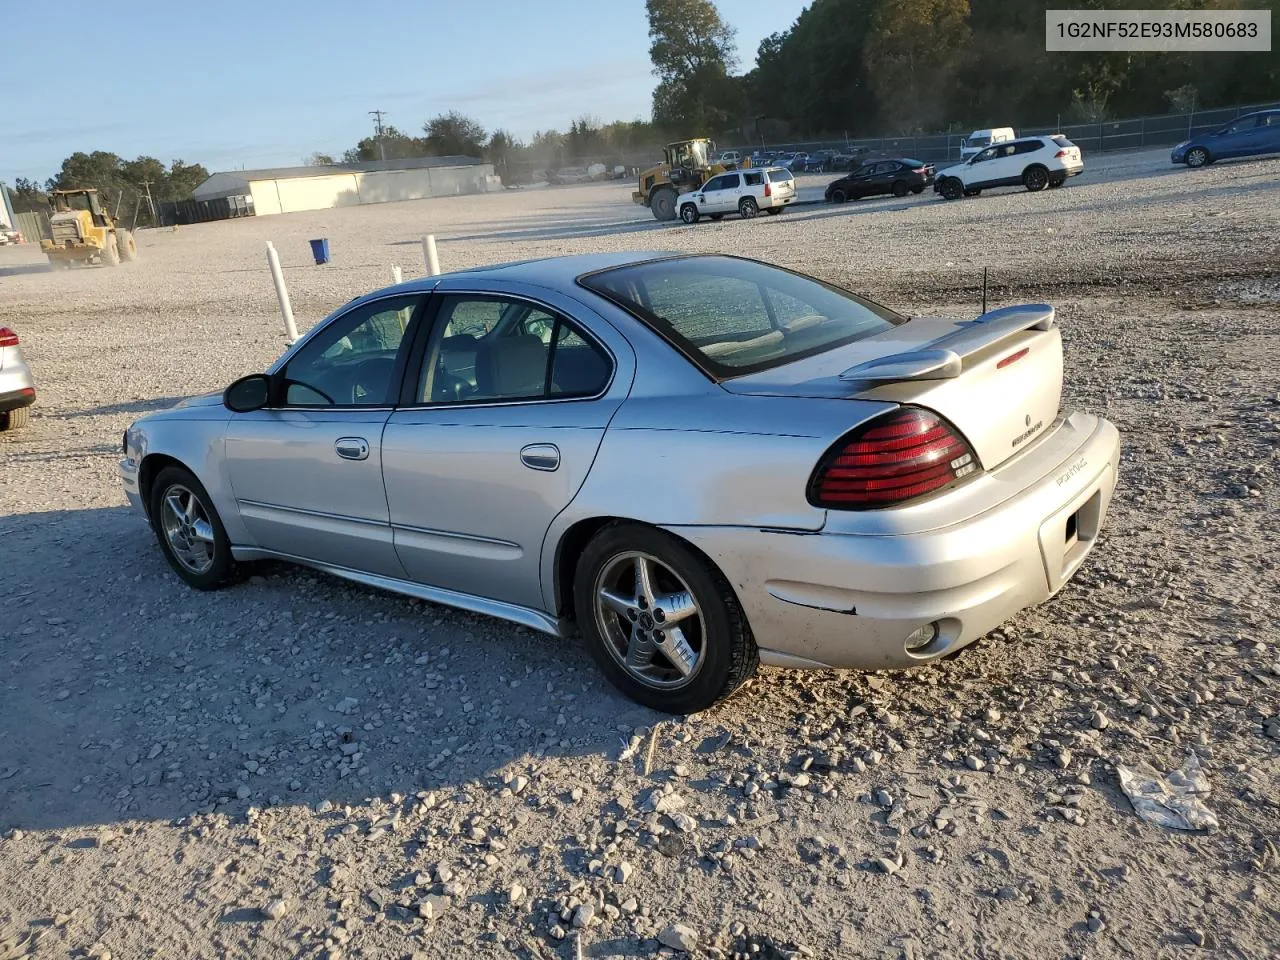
[984, 290]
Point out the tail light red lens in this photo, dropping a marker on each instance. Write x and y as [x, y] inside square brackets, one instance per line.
[768, 190]
[1060, 153]
[8, 338]
[903, 455]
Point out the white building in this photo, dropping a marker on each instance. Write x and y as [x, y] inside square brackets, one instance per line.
[290, 189]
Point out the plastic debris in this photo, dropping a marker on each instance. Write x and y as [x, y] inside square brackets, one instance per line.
[1169, 800]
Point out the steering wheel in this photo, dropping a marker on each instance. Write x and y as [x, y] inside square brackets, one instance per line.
[370, 379]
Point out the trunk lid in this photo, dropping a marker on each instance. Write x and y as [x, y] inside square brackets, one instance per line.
[997, 379]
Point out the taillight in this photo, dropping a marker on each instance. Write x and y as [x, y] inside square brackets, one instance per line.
[1060, 153]
[8, 338]
[920, 170]
[902, 455]
[768, 190]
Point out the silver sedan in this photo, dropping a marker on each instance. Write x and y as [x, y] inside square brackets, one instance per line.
[700, 462]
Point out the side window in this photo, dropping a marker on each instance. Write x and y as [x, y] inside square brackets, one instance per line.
[1269, 120]
[715, 183]
[350, 362]
[1030, 146]
[754, 179]
[525, 354]
[985, 155]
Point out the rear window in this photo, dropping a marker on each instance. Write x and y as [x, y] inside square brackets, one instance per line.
[777, 176]
[1062, 141]
[754, 179]
[732, 316]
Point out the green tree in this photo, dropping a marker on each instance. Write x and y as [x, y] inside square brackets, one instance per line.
[183, 178]
[452, 134]
[394, 145]
[27, 196]
[692, 50]
[911, 52]
[320, 160]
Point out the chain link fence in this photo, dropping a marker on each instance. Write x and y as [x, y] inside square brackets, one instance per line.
[1132, 134]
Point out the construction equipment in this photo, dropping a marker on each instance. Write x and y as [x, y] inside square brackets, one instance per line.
[83, 231]
[686, 165]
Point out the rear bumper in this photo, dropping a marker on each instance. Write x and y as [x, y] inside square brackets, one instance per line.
[849, 600]
[17, 388]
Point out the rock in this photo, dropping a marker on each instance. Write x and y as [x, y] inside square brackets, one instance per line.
[1197, 936]
[557, 932]
[583, 916]
[678, 936]
[973, 763]
[517, 894]
[1063, 759]
[884, 798]
[432, 907]
[887, 866]
[346, 706]
[801, 780]
[629, 905]
[1096, 925]
[276, 909]
[1098, 720]
[242, 792]
[684, 823]
[622, 872]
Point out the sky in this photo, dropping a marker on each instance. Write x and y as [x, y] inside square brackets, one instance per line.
[257, 83]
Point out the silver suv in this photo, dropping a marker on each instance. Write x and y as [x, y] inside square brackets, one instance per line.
[17, 387]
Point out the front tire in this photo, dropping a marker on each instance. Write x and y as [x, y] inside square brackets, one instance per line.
[190, 532]
[747, 209]
[1035, 178]
[689, 214]
[661, 622]
[663, 204]
[838, 196]
[127, 246]
[952, 189]
[1198, 157]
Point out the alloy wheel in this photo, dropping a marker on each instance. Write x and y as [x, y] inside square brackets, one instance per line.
[650, 620]
[187, 529]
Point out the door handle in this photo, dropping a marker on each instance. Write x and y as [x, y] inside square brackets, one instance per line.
[540, 456]
[352, 448]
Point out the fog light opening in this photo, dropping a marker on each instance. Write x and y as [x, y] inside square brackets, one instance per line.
[921, 638]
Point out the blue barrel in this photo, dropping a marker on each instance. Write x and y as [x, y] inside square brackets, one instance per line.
[320, 250]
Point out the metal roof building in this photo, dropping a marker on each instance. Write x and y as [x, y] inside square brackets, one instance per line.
[291, 189]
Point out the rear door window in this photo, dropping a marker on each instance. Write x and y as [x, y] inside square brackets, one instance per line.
[1027, 146]
[754, 179]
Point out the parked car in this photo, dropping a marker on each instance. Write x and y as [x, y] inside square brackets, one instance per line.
[730, 158]
[17, 385]
[8, 234]
[705, 462]
[821, 161]
[981, 139]
[1033, 162]
[1251, 135]
[744, 192]
[898, 177]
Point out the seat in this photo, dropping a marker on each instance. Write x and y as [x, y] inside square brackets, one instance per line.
[512, 367]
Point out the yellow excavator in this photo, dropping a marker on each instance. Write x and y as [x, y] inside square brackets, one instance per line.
[686, 165]
[83, 231]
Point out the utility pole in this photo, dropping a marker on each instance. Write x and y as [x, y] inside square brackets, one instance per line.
[377, 125]
[151, 205]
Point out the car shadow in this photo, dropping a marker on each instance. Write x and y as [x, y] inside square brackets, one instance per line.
[129, 406]
[130, 696]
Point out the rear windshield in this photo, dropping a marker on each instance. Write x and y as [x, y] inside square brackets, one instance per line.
[1062, 141]
[776, 176]
[732, 316]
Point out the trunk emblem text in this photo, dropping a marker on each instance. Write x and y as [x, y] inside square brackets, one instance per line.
[1028, 432]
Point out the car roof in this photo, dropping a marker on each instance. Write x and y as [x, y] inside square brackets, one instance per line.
[553, 271]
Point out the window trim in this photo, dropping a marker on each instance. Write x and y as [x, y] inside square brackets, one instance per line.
[276, 370]
[407, 399]
[693, 356]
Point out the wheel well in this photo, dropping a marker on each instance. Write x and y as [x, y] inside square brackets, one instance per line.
[151, 465]
[1034, 166]
[575, 541]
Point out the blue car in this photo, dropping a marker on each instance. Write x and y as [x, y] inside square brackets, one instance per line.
[1247, 136]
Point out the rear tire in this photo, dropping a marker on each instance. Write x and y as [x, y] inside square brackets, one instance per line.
[917, 189]
[774, 211]
[13, 419]
[1035, 178]
[110, 254]
[716, 632]
[1198, 157]
[952, 189]
[747, 208]
[663, 204]
[127, 246]
[900, 188]
[689, 214]
[193, 539]
[838, 196]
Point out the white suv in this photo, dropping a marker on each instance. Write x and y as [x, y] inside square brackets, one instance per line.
[1032, 162]
[744, 192]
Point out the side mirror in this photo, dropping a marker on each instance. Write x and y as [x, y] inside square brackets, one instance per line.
[248, 393]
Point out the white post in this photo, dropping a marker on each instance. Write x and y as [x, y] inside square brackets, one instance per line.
[429, 254]
[396, 275]
[282, 293]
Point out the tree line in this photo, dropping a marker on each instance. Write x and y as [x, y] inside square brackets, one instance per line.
[122, 184]
[852, 68]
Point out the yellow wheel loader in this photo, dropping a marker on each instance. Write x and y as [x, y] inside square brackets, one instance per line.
[685, 166]
[83, 231]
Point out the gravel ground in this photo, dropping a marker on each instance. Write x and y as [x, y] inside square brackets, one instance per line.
[300, 768]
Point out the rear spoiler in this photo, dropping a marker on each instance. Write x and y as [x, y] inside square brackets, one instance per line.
[944, 358]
